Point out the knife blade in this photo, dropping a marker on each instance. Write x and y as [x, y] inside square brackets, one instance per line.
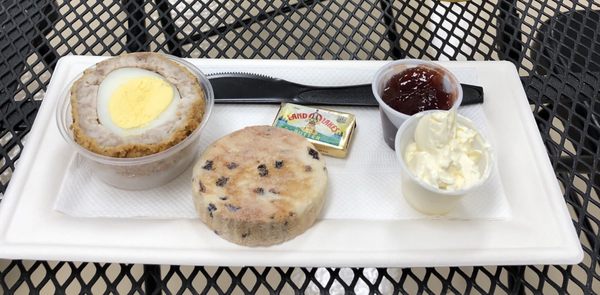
[243, 88]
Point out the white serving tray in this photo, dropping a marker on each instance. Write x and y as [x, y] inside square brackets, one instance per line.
[540, 230]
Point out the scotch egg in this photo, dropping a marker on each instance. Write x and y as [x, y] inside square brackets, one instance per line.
[135, 105]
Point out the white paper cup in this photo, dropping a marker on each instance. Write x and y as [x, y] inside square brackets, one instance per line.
[422, 196]
[392, 119]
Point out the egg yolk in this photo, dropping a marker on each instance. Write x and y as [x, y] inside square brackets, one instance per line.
[139, 101]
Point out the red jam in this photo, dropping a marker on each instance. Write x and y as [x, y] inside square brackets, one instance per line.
[417, 89]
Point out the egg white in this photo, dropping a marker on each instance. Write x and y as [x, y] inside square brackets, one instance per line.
[110, 84]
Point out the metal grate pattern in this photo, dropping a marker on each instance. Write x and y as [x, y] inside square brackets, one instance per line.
[555, 45]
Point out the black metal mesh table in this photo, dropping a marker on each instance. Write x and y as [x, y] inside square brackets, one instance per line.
[554, 44]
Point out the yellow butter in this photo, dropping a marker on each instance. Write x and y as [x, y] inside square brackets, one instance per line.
[330, 131]
[139, 101]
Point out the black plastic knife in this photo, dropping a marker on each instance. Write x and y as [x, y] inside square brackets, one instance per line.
[254, 88]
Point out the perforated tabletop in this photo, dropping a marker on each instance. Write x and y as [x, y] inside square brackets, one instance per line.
[554, 44]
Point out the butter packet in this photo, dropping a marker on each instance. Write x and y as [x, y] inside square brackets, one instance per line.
[328, 130]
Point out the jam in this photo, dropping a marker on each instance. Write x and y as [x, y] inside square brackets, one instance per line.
[417, 89]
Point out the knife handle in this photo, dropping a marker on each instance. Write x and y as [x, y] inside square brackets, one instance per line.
[355, 95]
[471, 94]
[362, 95]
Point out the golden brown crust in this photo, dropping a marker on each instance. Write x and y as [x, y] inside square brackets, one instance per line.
[130, 150]
[259, 186]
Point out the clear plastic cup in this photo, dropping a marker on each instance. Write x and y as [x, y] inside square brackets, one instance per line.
[142, 172]
[392, 119]
[423, 196]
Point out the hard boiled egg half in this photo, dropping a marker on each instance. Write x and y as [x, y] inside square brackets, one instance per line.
[133, 100]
